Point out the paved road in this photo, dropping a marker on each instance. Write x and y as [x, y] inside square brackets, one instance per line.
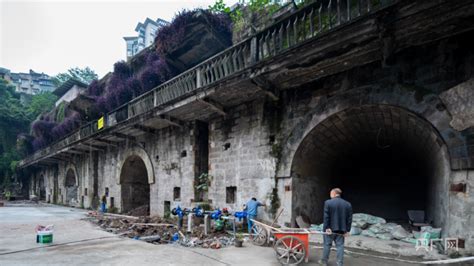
[78, 242]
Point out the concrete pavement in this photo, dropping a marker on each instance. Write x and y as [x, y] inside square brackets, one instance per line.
[78, 242]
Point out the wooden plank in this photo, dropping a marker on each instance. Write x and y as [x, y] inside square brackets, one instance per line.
[154, 224]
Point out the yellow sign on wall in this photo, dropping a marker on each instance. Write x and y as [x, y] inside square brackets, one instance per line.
[100, 123]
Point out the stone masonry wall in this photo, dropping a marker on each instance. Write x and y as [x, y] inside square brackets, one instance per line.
[239, 156]
[252, 148]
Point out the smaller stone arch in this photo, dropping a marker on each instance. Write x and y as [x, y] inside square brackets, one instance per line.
[135, 174]
[72, 171]
[71, 183]
[143, 155]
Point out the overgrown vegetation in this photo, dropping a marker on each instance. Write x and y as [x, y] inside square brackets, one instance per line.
[15, 118]
[169, 37]
[203, 182]
[201, 187]
[255, 6]
[274, 114]
[124, 83]
[120, 87]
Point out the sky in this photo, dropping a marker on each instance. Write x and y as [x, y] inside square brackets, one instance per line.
[53, 36]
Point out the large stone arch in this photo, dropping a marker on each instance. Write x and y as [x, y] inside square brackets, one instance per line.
[429, 107]
[139, 152]
[386, 158]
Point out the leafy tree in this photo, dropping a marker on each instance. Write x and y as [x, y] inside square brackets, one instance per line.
[14, 119]
[11, 111]
[237, 14]
[85, 75]
[41, 103]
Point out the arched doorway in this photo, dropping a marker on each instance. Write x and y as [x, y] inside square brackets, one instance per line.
[387, 160]
[42, 188]
[71, 188]
[134, 183]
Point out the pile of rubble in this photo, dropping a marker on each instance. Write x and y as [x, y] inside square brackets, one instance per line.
[159, 230]
[135, 227]
[139, 211]
[215, 242]
[377, 227]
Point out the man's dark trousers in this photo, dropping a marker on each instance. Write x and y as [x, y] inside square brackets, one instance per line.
[339, 240]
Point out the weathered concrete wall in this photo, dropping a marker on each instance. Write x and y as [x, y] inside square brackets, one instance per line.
[461, 206]
[239, 156]
[172, 168]
[79, 167]
[253, 147]
[71, 94]
[460, 103]
[163, 154]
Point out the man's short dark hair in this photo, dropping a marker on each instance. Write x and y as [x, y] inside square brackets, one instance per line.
[255, 199]
[338, 191]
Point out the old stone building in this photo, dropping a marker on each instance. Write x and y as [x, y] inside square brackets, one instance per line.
[380, 104]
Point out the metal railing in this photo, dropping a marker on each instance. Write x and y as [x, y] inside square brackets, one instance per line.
[304, 24]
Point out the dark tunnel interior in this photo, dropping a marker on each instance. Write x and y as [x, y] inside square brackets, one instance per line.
[385, 159]
[134, 184]
[384, 182]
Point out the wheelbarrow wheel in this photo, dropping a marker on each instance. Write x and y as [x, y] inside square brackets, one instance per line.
[290, 250]
[258, 235]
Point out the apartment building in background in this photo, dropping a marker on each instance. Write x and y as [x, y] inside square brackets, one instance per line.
[146, 36]
[28, 83]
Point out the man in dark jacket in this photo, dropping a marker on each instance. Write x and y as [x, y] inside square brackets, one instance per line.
[337, 225]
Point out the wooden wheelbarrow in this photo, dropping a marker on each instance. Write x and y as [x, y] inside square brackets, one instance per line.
[292, 244]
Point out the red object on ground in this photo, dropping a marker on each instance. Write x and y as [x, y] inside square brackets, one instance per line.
[303, 236]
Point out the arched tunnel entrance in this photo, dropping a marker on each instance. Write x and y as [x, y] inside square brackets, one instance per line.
[71, 188]
[135, 186]
[385, 159]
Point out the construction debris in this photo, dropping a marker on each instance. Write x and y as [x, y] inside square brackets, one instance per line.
[155, 238]
[159, 230]
[400, 233]
[121, 216]
[377, 227]
[139, 211]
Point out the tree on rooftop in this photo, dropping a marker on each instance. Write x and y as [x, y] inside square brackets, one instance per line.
[85, 75]
[169, 37]
[41, 103]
